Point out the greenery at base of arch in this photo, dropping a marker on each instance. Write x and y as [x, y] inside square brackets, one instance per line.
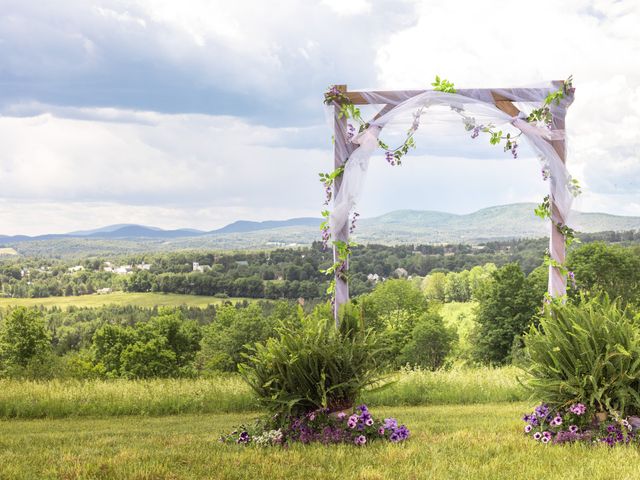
[541, 116]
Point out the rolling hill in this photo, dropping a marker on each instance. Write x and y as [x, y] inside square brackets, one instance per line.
[400, 226]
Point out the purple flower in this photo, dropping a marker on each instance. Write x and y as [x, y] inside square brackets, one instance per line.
[368, 422]
[353, 421]
[360, 440]
[342, 416]
[390, 423]
[578, 409]
[381, 431]
[557, 420]
[545, 439]
[527, 428]
[573, 428]
[244, 438]
[541, 411]
[390, 157]
[537, 436]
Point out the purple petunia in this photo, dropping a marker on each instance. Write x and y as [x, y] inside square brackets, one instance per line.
[390, 423]
[527, 428]
[360, 440]
[537, 436]
[573, 428]
[578, 409]
[353, 421]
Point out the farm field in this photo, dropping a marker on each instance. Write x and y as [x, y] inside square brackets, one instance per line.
[148, 300]
[480, 442]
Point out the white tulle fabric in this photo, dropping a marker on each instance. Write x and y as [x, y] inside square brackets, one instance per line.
[470, 104]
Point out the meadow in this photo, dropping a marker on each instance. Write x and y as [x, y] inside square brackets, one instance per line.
[452, 442]
[145, 300]
[102, 398]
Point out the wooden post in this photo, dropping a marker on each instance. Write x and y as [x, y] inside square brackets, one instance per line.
[342, 150]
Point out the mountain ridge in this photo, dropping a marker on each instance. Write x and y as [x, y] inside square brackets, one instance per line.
[496, 222]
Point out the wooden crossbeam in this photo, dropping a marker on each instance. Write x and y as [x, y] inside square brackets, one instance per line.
[397, 96]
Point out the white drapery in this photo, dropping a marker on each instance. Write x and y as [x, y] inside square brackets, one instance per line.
[477, 107]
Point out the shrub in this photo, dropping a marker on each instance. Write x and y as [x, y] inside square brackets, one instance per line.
[505, 310]
[24, 343]
[586, 353]
[313, 366]
[430, 343]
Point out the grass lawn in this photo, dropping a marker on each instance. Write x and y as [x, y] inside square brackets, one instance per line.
[148, 300]
[448, 442]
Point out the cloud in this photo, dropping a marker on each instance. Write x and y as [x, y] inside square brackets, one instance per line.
[255, 60]
[198, 113]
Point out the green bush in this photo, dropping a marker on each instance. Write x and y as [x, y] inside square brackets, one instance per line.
[430, 342]
[587, 352]
[24, 344]
[314, 365]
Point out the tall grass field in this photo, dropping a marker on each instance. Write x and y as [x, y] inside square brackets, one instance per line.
[101, 398]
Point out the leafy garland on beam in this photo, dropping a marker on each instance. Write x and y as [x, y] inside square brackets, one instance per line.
[541, 116]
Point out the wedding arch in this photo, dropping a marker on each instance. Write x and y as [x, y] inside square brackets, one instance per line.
[536, 115]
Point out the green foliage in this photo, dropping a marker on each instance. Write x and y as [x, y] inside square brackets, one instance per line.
[505, 310]
[314, 365]
[24, 341]
[443, 85]
[391, 296]
[431, 341]
[434, 286]
[611, 269]
[164, 346]
[224, 340]
[587, 352]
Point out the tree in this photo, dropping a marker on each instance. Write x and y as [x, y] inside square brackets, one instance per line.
[433, 286]
[430, 343]
[224, 340]
[611, 269]
[456, 287]
[390, 296]
[23, 338]
[505, 310]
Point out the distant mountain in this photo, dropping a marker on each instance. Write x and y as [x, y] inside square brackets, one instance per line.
[242, 226]
[400, 226]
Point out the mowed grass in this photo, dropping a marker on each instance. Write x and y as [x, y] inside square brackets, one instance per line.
[479, 442]
[147, 300]
[58, 399]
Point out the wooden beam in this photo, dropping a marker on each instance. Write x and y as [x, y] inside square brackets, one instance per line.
[397, 96]
[506, 106]
[342, 149]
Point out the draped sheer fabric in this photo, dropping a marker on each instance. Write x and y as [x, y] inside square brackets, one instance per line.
[476, 106]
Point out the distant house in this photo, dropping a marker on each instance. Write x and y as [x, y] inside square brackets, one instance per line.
[144, 266]
[123, 270]
[400, 273]
[242, 263]
[200, 268]
[373, 278]
[103, 291]
[77, 268]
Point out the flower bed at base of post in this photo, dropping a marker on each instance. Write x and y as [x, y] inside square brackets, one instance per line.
[359, 427]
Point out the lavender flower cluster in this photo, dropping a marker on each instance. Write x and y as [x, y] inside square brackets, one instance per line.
[324, 427]
[577, 424]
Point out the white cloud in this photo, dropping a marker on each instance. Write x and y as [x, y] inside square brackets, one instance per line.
[67, 164]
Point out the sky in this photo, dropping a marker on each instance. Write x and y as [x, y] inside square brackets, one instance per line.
[197, 113]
